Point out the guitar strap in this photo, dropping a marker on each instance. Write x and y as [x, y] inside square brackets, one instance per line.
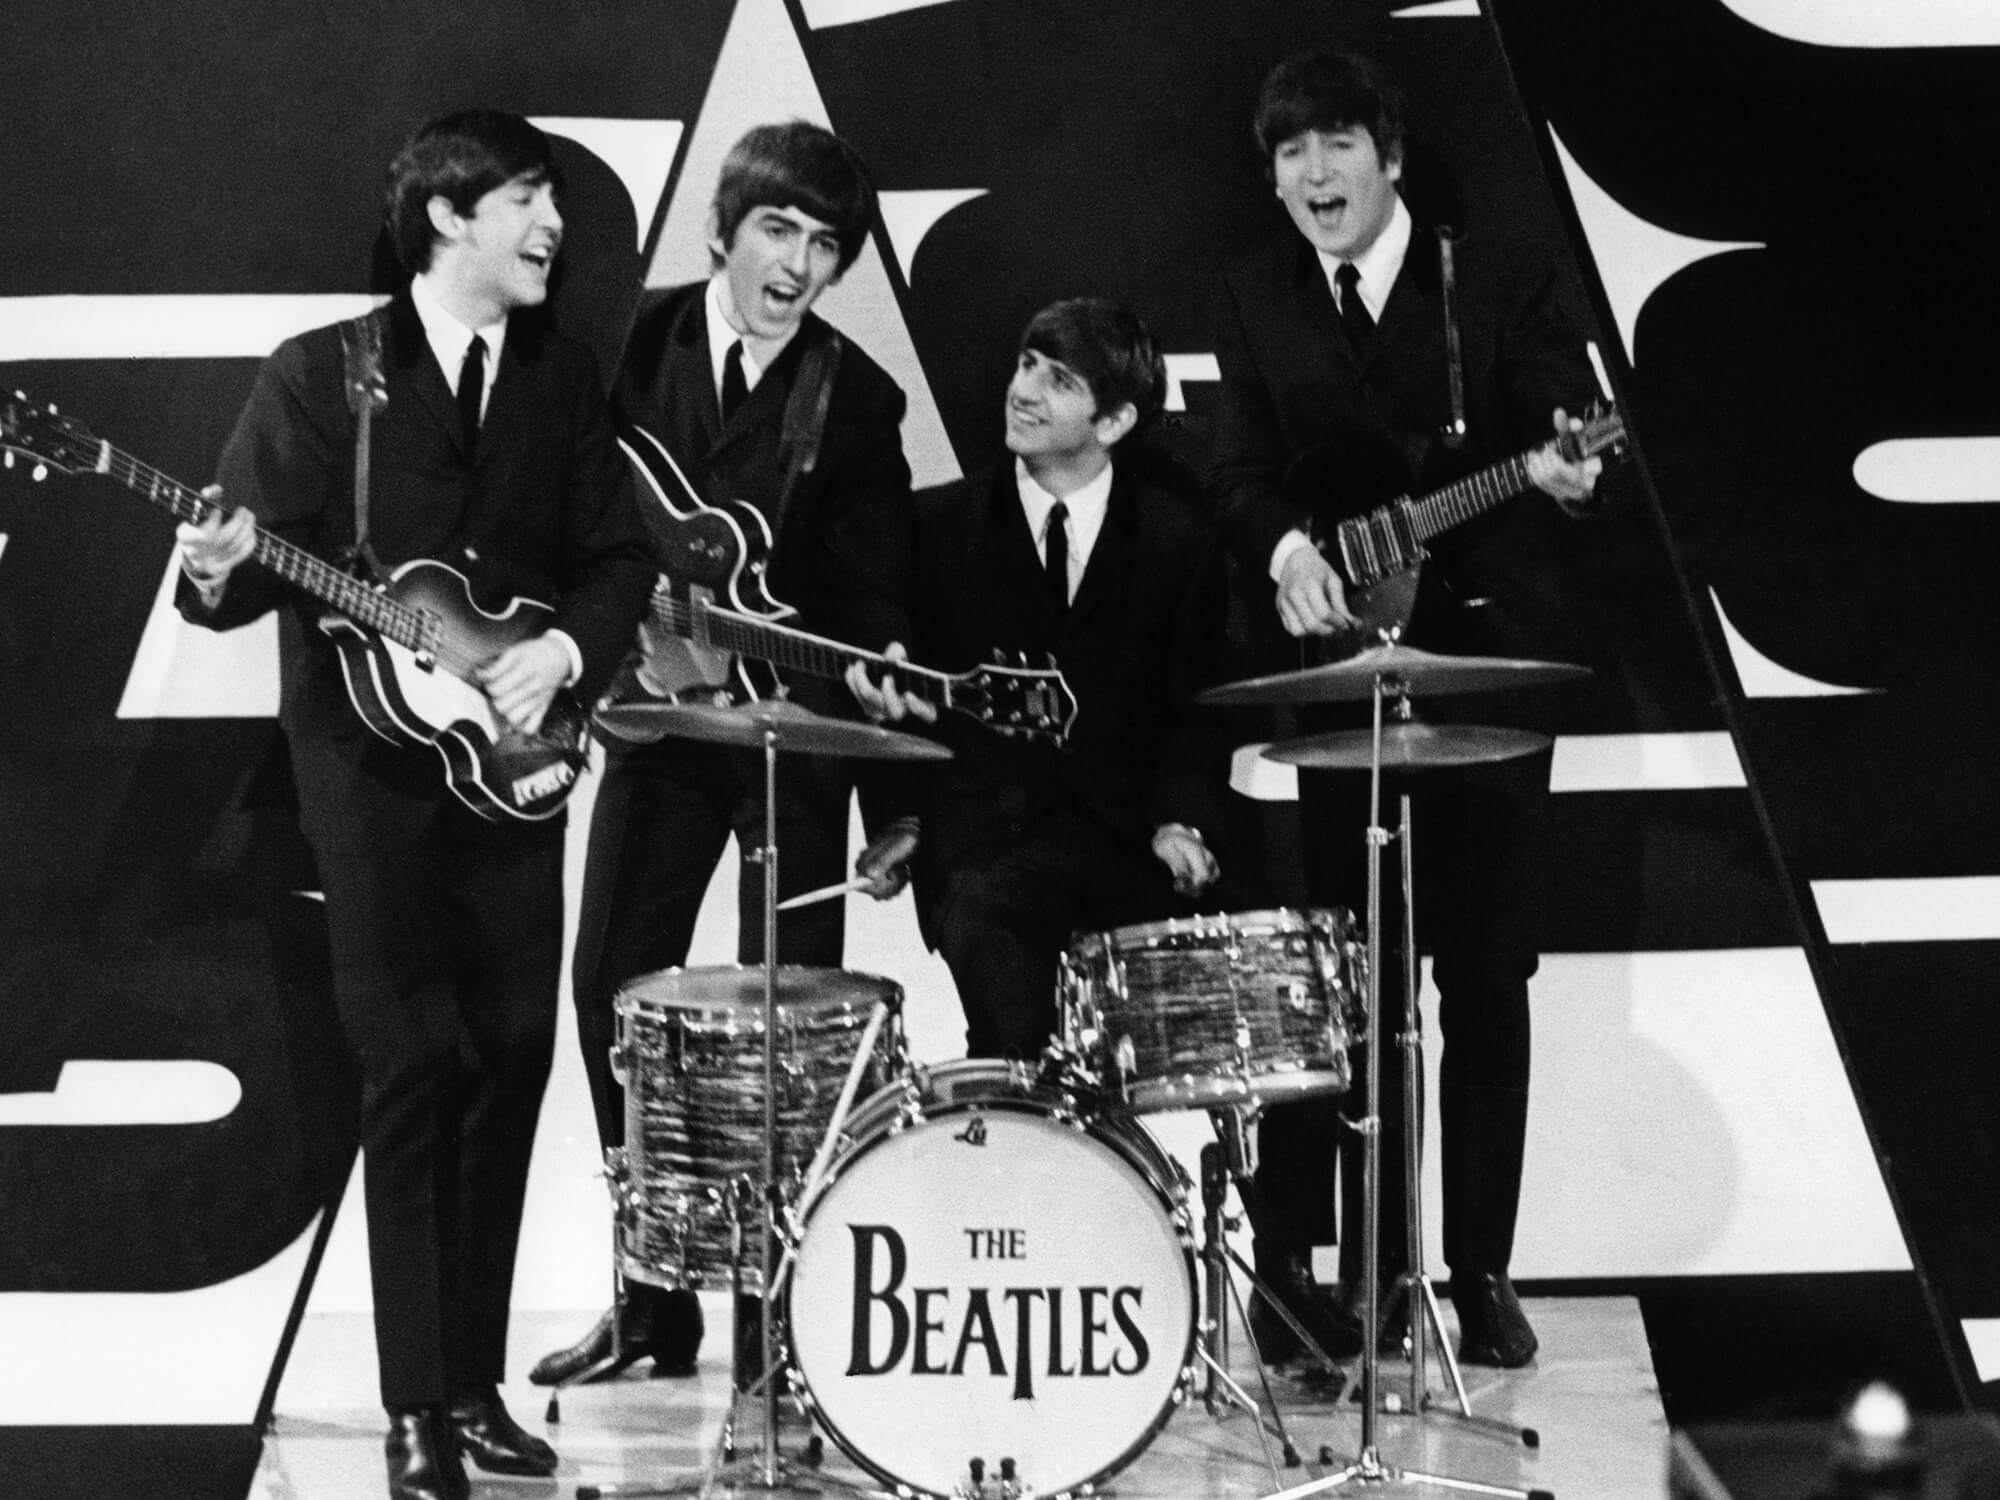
[367, 393]
[1453, 435]
[805, 420]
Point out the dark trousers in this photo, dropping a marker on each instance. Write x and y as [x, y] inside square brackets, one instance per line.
[1002, 919]
[1478, 859]
[447, 955]
[663, 817]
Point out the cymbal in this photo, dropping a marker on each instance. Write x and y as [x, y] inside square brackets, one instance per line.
[1407, 746]
[797, 730]
[1402, 669]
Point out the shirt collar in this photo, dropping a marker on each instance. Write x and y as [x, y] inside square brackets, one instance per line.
[758, 354]
[1380, 264]
[449, 338]
[1086, 510]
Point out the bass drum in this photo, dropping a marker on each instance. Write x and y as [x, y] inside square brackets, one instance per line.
[987, 1274]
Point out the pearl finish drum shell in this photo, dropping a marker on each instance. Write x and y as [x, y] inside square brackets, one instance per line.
[690, 1053]
[1207, 1011]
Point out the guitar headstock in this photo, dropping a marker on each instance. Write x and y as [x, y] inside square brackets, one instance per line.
[54, 442]
[1017, 699]
[1603, 429]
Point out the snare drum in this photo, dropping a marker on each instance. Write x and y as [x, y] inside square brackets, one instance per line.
[690, 1053]
[987, 1274]
[1204, 1011]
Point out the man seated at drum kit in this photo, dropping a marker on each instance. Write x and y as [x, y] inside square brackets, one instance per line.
[1067, 551]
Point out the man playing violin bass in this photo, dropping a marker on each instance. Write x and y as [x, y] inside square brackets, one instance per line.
[1332, 337]
[1068, 550]
[760, 402]
[446, 930]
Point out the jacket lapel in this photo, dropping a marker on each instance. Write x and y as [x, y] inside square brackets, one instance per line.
[766, 404]
[1110, 555]
[421, 377]
[1316, 297]
[1415, 302]
[1015, 579]
[508, 405]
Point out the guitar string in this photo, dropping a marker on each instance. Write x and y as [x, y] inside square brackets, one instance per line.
[369, 605]
[726, 627]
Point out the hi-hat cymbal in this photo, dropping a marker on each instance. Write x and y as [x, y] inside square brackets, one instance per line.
[1401, 669]
[796, 730]
[1407, 746]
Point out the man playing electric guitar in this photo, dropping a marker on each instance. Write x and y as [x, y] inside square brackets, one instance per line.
[1336, 331]
[761, 403]
[446, 929]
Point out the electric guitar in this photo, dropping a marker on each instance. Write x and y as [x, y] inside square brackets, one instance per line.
[715, 631]
[410, 649]
[1379, 553]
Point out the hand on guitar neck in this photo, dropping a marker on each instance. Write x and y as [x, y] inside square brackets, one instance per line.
[212, 548]
[1569, 481]
[881, 699]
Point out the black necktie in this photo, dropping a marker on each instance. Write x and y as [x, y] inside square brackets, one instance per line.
[1055, 560]
[1354, 314]
[734, 387]
[471, 386]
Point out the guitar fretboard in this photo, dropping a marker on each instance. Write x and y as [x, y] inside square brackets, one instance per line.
[359, 601]
[1389, 539]
[728, 630]
[1474, 495]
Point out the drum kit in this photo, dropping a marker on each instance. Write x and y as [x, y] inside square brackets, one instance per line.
[981, 1278]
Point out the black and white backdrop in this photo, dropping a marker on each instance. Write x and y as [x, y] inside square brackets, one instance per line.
[1766, 1028]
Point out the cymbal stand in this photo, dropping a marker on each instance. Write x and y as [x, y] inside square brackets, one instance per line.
[1414, 1288]
[1220, 1161]
[770, 1471]
[1367, 1466]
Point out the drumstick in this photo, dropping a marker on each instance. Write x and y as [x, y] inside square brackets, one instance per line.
[825, 893]
[862, 1056]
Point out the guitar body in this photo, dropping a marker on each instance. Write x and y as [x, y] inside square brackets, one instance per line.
[409, 650]
[425, 698]
[714, 556]
[1339, 482]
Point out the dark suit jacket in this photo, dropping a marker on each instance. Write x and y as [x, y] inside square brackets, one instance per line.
[1136, 644]
[842, 545]
[1291, 379]
[544, 511]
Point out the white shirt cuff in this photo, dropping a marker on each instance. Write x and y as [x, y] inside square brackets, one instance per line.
[1281, 554]
[561, 637]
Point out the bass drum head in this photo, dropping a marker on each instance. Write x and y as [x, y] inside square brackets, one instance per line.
[994, 1283]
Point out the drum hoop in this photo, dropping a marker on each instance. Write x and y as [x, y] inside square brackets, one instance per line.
[1185, 1369]
[861, 990]
[1223, 926]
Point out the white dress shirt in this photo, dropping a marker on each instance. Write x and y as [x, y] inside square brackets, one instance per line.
[1086, 517]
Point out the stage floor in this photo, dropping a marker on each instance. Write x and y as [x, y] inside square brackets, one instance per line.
[1591, 1396]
